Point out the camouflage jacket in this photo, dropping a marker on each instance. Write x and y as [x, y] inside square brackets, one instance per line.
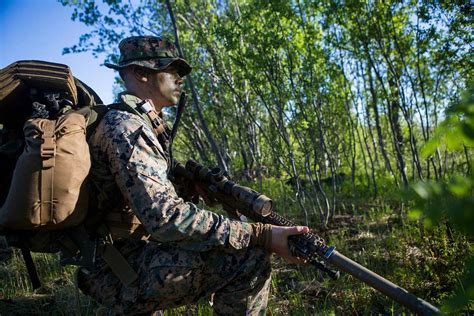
[130, 166]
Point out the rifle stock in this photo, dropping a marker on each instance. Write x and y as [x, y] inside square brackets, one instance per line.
[237, 199]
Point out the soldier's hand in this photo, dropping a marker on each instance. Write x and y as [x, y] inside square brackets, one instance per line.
[279, 243]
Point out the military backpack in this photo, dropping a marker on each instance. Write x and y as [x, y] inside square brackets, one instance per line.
[44, 160]
[46, 117]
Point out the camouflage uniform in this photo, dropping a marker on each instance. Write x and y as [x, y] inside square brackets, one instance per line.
[192, 252]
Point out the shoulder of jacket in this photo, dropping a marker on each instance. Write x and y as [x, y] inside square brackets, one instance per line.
[119, 119]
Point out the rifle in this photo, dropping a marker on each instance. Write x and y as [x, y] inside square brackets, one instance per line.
[237, 199]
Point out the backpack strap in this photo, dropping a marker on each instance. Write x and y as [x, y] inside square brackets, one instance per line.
[80, 250]
[142, 108]
[31, 268]
[155, 118]
[48, 152]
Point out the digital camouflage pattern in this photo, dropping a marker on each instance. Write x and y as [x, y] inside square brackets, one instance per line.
[150, 52]
[126, 153]
[199, 252]
[170, 277]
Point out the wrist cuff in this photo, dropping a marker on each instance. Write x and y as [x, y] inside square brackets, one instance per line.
[262, 235]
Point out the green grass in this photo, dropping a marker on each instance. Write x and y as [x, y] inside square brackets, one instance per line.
[58, 296]
[374, 233]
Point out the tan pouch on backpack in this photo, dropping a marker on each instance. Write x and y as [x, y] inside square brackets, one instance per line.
[45, 192]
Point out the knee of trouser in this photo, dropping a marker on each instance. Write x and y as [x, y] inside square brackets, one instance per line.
[261, 259]
[261, 254]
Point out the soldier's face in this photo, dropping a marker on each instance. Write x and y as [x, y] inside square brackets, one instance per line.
[165, 87]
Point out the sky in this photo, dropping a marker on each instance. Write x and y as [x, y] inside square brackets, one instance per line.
[39, 30]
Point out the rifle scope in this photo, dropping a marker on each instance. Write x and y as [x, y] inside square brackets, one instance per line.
[259, 203]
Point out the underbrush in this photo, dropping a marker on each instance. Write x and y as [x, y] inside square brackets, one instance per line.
[376, 234]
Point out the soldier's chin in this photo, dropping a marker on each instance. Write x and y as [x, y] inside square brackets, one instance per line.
[175, 100]
[172, 102]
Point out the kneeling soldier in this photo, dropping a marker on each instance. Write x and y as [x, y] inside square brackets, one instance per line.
[171, 253]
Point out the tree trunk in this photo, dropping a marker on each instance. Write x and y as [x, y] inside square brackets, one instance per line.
[398, 140]
[197, 106]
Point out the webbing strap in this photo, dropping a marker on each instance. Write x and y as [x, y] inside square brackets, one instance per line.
[153, 116]
[48, 152]
[118, 264]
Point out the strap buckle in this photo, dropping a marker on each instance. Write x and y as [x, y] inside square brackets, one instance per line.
[147, 107]
[149, 110]
[47, 149]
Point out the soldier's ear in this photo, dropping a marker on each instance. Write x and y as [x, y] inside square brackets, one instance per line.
[140, 74]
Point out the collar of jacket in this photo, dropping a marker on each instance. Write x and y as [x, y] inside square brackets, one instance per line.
[131, 103]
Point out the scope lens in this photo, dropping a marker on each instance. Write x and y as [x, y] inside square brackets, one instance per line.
[217, 173]
[263, 205]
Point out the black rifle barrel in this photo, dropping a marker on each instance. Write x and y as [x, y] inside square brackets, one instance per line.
[381, 284]
[341, 262]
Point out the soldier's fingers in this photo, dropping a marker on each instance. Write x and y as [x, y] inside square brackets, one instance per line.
[297, 230]
[296, 260]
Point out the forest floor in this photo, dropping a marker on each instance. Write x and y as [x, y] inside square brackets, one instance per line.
[428, 264]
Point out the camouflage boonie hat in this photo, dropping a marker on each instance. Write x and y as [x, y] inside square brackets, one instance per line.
[150, 52]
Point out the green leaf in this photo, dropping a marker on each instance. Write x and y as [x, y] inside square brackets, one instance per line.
[415, 213]
[423, 190]
[430, 147]
[460, 186]
[428, 222]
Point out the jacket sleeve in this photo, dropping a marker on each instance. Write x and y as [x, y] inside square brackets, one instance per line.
[139, 168]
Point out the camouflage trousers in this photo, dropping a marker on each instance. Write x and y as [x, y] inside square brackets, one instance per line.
[170, 277]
